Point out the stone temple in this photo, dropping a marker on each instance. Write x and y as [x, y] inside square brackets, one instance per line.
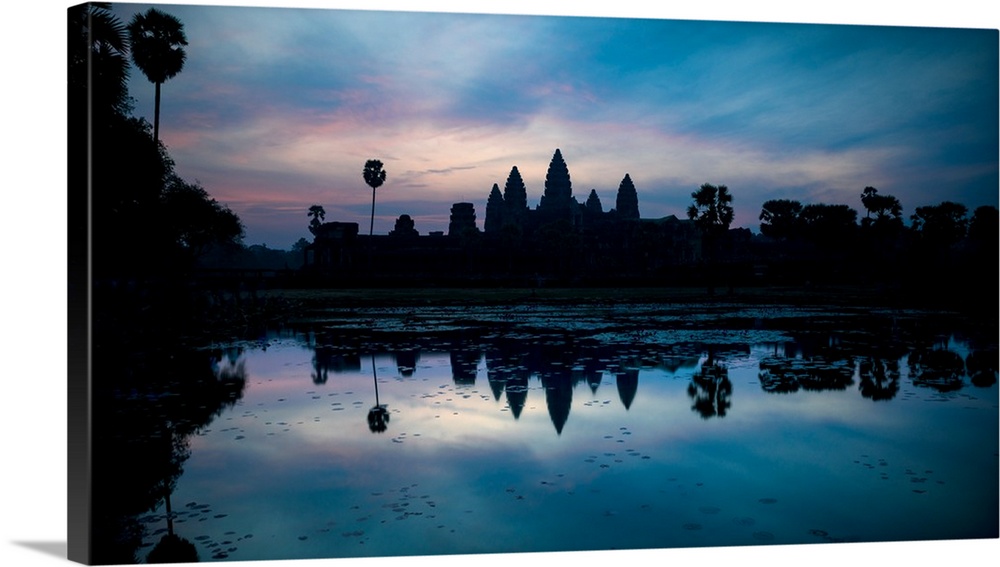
[559, 240]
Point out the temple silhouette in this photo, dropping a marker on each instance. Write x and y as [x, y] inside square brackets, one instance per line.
[559, 240]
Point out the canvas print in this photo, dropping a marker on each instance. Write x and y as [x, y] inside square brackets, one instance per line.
[377, 283]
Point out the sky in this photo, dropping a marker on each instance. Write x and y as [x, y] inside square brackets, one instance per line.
[278, 109]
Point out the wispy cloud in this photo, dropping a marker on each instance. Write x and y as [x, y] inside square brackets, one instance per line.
[292, 102]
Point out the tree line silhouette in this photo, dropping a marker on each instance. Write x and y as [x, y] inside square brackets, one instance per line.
[147, 221]
[144, 229]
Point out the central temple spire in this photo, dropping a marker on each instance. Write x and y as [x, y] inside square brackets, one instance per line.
[557, 201]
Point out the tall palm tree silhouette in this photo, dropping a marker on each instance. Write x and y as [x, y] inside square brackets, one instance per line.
[712, 213]
[374, 176]
[156, 39]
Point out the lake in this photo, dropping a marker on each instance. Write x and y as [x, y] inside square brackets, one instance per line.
[388, 432]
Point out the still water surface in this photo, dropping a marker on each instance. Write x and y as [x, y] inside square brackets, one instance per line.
[540, 446]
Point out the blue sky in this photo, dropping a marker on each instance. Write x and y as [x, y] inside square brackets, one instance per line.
[277, 109]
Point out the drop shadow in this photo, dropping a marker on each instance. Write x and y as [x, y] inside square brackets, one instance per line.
[58, 549]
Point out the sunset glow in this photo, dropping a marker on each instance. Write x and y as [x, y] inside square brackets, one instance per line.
[277, 109]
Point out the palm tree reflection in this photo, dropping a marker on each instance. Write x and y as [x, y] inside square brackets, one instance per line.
[378, 419]
[711, 389]
[879, 378]
[172, 548]
[378, 415]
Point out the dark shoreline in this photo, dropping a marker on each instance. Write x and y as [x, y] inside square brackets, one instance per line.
[848, 296]
[178, 316]
[627, 314]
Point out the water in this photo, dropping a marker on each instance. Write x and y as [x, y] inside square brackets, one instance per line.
[542, 443]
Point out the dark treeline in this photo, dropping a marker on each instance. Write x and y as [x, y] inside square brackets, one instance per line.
[150, 235]
[134, 388]
[946, 251]
[146, 221]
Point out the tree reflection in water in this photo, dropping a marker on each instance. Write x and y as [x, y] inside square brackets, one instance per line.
[378, 415]
[982, 367]
[785, 375]
[145, 411]
[172, 548]
[879, 378]
[378, 419]
[711, 389]
[940, 369]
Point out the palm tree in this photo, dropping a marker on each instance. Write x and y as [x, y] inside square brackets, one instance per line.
[712, 210]
[98, 60]
[318, 214]
[888, 210]
[712, 213]
[780, 218]
[374, 176]
[156, 39]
